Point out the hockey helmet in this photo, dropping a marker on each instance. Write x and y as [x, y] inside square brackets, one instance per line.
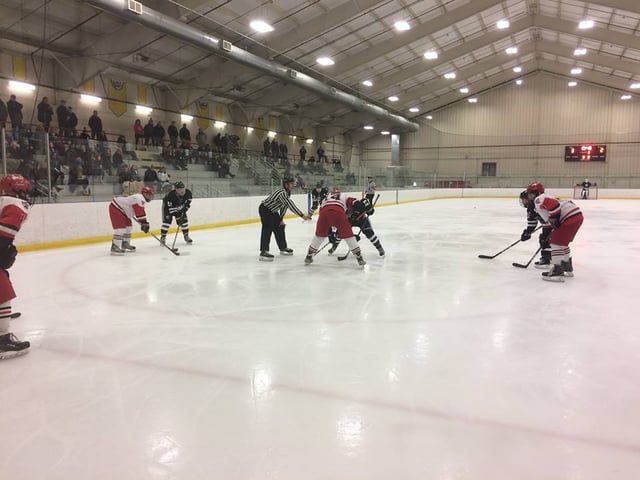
[178, 185]
[147, 193]
[15, 186]
[536, 188]
[524, 198]
[335, 194]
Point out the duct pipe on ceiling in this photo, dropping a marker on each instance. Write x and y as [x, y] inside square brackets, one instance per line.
[168, 25]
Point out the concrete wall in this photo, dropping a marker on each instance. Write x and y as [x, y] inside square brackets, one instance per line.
[58, 225]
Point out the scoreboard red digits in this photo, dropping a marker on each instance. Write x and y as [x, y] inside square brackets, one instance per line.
[585, 153]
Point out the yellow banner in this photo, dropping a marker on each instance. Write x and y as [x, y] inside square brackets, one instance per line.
[117, 93]
[260, 123]
[142, 95]
[202, 108]
[19, 68]
[89, 86]
[218, 112]
[272, 124]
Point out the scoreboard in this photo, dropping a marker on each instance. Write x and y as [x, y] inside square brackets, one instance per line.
[585, 153]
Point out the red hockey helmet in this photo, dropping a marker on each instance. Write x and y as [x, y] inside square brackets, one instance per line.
[147, 193]
[536, 188]
[15, 186]
[335, 193]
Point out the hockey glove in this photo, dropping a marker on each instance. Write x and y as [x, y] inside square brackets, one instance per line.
[544, 236]
[8, 255]
[145, 227]
[526, 235]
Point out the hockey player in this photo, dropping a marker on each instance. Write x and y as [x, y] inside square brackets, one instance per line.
[121, 211]
[358, 212]
[175, 204]
[318, 195]
[371, 189]
[14, 210]
[532, 223]
[333, 214]
[272, 211]
[565, 217]
[584, 195]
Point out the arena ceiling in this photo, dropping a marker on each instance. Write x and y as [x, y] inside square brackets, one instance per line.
[84, 40]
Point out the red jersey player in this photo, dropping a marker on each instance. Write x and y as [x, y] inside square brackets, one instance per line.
[14, 210]
[121, 211]
[333, 214]
[565, 217]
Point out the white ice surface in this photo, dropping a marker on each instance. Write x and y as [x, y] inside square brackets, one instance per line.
[428, 364]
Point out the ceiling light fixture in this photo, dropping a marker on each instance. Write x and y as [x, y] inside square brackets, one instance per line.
[635, 85]
[92, 99]
[393, 98]
[325, 61]
[367, 83]
[430, 55]
[219, 124]
[402, 26]
[450, 76]
[261, 26]
[576, 71]
[21, 86]
[414, 109]
[464, 90]
[429, 117]
[249, 129]
[368, 127]
[572, 84]
[186, 118]
[143, 110]
[309, 140]
[502, 24]
[512, 50]
[517, 69]
[384, 132]
[518, 82]
[625, 97]
[580, 51]
[584, 24]
[473, 100]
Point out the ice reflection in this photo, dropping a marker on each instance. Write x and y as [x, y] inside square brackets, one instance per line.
[350, 431]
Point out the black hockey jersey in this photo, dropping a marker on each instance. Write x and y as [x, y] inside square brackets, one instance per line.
[175, 204]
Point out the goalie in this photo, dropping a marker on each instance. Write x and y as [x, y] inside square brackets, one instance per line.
[358, 212]
[175, 204]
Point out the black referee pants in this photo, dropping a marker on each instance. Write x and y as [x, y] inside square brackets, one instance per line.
[271, 224]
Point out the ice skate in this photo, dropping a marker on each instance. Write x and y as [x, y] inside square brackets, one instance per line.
[266, 257]
[116, 250]
[556, 274]
[187, 239]
[286, 251]
[544, 262]
[163, 239]
[361, 261]
[127, 247]
[308, 260]
[10, 346]
[567, 267]
[381, 252]
[334, 247]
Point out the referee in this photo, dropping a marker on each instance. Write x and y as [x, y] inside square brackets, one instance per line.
[272, 211]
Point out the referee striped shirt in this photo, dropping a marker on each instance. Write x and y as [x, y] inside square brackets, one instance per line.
[279, 201]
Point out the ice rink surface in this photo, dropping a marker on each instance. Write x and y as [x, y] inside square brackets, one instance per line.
[428, 364]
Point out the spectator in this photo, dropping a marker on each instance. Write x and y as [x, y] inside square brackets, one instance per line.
[45, 113]
[4, 114]
[134, 176]
[284, 153]
[72, 123]
[62, 113]
[225, 171]
[217, 142]
[321, 155]
[266, 146]
[185, 135]
[117, 160]
[163, 179]
[201, 139]
[84, 135]
[158, 134]
[303, 153]
[275, 150]
[138, 131]
[14, 109]
[173, 134]
[95, 125]
[148, 133]
[150, 178]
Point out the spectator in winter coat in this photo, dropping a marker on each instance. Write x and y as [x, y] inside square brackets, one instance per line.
[95, 125]
[138, 131]
[148, 132]
[45, 113]
[14, 109]
[173, 134]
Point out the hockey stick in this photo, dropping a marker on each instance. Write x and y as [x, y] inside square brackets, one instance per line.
[344, 257]
[321, 248]
[519, 265]
[15, 315]
[172, 250]
[504, 250]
